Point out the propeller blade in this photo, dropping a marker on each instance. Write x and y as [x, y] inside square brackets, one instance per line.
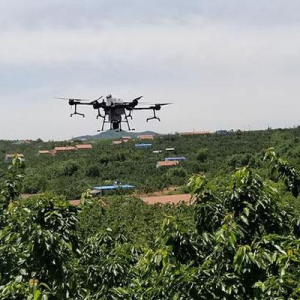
[162, 104]
[137, 99]
[99, 98]
[61, 98]
[153, 104]
[72, 99]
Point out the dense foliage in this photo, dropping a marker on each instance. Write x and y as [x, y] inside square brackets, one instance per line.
[243, 242]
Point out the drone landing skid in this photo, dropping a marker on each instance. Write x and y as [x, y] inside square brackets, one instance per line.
[77, 113]
[154, 117]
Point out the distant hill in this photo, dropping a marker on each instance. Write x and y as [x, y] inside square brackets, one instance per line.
[112, 134]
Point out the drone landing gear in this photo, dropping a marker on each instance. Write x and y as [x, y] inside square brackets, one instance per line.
[76, 113]
[129, 115]
[99, 115]
[114, 125]
[154, 117]
[126, 121]
[104, 120]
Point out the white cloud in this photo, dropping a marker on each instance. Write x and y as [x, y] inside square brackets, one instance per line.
[72, 14]
[221, 73]
[192, 45]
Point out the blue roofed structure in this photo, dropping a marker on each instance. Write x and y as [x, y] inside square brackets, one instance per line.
[182, 158]
[143, 146]
[113, 187]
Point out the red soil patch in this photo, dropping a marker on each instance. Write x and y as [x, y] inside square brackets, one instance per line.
[172, 199]
[167, 191]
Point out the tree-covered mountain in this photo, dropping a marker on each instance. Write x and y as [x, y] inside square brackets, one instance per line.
[113, 134]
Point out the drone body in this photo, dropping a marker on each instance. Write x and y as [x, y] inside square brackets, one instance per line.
[114, 110]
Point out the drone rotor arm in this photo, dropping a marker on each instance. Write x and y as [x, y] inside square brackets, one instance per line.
[142, 108]
[155, 106]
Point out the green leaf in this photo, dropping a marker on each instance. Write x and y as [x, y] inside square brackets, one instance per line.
[36, 295]
[244, 219]
[246, 211]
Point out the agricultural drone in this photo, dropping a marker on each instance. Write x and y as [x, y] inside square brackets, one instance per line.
[113, 110]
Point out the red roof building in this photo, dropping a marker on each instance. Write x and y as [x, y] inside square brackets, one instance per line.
[166, 163]
[126, 139]
[84, 147]
[145, 137]
[45, 152]
[63, 150]
[75, 202]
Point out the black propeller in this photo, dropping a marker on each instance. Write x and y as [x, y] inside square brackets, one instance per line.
[162, 104]
[154, 104]
[137, 99]
[99, 98]
[73, 99]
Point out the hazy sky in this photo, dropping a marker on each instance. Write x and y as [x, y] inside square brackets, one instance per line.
[224, 63]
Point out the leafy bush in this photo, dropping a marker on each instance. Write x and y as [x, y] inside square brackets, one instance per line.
[244, 243]
[93, 171]
[202, 155]
[69, 168]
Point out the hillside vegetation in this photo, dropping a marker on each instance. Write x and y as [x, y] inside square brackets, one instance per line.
[213, 155]
[239, 240]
